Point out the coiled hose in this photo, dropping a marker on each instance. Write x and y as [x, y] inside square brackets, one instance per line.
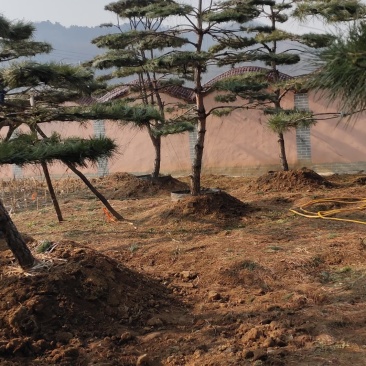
[329, 214]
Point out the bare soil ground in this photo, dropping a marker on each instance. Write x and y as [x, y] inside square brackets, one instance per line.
[232, 277]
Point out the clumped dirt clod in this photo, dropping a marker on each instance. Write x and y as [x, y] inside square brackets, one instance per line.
[291, 180]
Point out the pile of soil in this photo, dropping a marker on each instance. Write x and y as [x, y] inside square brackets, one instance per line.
[217, 204]
[348, 180]
[78, 299]
[361, 181]
[130, 186]
[292, 180]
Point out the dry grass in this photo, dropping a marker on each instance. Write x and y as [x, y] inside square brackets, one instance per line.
[300, 282]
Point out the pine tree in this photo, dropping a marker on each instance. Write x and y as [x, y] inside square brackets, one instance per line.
[33, 94]
[16, 41]
[342, 69]
[48, 86]
[131, 52]
[200, 22]
[266, 43]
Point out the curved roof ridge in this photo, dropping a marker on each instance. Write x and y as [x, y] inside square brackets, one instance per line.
[180, 92]
[242, 69]
[86, 100]
[113, 94]
[185, 93]
[117, 92]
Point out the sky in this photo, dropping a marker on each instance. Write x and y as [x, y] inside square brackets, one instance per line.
[87, 13]
[67, 12]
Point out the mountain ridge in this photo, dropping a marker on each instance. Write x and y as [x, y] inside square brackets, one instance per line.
[72, 45]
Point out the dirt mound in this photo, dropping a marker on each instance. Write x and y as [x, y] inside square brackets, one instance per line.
[211, 203]
[124, 185]
[82, 297]
[291, 180]
[348, 180]
[360, 181]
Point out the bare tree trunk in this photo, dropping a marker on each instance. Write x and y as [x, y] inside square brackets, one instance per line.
[201, 113]
[14, 240]
[95, 191]
[201, 132]
[198, 157]
[283, 158]
[52, 192]
[157, 161]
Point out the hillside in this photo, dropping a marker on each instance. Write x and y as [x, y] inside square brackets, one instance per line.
[73, 45]
[70, 44]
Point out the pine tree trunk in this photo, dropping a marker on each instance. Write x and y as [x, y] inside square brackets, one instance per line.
[52, 192]
[88, 184]
[283, 158]
[14, 240]
[198, 157]
[95, 191]
[201, 132]
[157, 161]
[201, 113]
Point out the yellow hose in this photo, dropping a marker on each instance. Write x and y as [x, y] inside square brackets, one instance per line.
[327, 215]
